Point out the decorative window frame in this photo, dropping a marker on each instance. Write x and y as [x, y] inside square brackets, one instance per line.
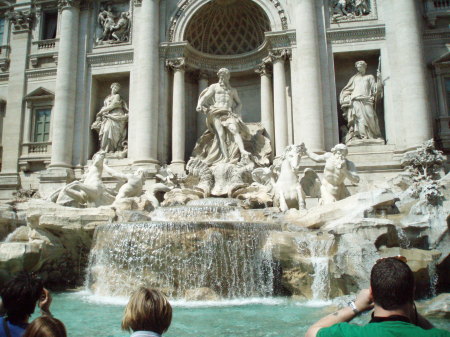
[32, 151]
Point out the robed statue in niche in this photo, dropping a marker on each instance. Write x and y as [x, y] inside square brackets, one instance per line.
[111, 122]
[358, 101]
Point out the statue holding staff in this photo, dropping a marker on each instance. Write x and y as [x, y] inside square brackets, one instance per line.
[358, 102]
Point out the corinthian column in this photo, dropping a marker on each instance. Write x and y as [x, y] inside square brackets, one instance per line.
[143, 149]
[308, 118]
[278, 58]
[65, 93]
[266, 100]
[404, 25]
[178, 114]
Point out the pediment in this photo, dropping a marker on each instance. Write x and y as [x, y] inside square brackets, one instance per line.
[444, 59]
[40, 94]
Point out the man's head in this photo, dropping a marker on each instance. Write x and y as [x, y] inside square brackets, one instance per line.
[392, 283]
[361, 66]
[224, 75]
[20, 296]
[340, 150]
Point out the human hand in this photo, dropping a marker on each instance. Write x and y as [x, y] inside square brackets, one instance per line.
[45, 301]
[364, 300]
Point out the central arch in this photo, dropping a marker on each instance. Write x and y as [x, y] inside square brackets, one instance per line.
[186, 10]
[227, 28]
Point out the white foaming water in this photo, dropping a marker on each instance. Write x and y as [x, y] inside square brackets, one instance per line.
[403, 238]
[181, 256]
[89, 297]
[193, 213]
[318, 250]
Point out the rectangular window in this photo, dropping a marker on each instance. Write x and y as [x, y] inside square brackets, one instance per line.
[50, 20]
[2, 30]
[41, 125]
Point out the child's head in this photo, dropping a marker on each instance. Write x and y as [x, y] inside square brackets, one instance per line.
[45, 326]
[147, 310]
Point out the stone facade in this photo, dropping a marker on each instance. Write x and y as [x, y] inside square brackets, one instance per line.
[289, 59]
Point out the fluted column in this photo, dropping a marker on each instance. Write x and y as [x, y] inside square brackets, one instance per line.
[308, 119]
[178, 114]
[201, 118]
[411, 85]
[143, 146]
[266, 100]
[65, 92]
[278, 59]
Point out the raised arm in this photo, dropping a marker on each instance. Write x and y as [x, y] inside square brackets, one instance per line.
[318, 157]
[114, 173]
[363, 302]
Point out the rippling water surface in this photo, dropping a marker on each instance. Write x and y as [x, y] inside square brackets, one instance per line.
[87, 315]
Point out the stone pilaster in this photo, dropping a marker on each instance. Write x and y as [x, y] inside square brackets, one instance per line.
[266, 100]
[178, 114]
[308, 117]
[409, 69]
[278, 59]
[21, 23]
[143, 146]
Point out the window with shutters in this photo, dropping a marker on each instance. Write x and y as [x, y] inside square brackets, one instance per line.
[41, 125]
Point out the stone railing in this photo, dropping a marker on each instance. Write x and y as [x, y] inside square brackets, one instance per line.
[437, 4]
[435, 9]
[36, 148]
[43, 48]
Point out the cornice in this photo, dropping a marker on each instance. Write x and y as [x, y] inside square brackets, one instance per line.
[358, 34]
[110, 59]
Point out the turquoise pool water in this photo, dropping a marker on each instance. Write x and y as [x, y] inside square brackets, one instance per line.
[88, 316]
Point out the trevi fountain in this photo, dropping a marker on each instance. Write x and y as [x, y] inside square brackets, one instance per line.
[258, 225]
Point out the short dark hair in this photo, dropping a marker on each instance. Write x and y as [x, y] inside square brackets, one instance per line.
[392, 283]
[20, 295]
[147, 310]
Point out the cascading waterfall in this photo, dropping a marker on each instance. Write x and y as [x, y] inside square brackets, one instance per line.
[226, 257]
[318, 251]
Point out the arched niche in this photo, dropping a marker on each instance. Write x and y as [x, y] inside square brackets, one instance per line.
[187, 8]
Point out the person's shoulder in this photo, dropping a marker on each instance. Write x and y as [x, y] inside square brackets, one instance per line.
[340, 329]
[437, 333]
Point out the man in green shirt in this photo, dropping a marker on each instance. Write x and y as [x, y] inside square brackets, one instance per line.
[391, 295]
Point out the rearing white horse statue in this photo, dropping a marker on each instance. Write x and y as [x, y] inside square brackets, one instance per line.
[288, 192]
